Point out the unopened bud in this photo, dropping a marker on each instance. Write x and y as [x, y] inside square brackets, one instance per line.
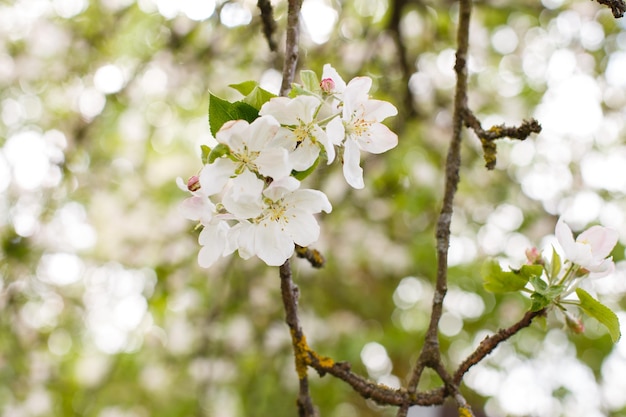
[193, 183]
[327, 85]
[575, 324]
[534, 256]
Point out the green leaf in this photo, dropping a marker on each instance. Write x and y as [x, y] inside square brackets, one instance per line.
[205, 153]
[538, 301]
[298, 90]
[301, 175]
[599, 312]
[555, 264]
[222, 111]
[245, 87]
[217, 152]
[258, 97]
[498, 281]
[309, 80]
[538, 284]
[530, 271]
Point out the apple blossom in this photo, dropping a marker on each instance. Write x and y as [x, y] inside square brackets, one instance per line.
[591, 249]
[300, 134]
[359, 128]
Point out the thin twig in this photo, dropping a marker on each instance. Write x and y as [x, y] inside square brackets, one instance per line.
[491, 342]
[291, 46]
[290, 294]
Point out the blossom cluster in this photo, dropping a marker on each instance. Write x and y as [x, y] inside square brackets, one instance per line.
[248, 198]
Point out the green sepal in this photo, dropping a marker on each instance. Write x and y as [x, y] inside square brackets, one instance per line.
[206, 151]
[498, 281]
[217, 152]
[310, 81]
[600, 312]
[301, 175]
[555, 264]
[222, 111]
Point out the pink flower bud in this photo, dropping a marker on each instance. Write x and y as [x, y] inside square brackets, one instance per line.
[534, 256]
[193, 183]
[327, 85]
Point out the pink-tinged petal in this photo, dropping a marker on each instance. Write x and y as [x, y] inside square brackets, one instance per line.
[606, 267]
[304, 156]
[378, 139]
[601, 239]
[378, 110]
[278, 189]
[329, 72]
[311, 201]
[564, 236]
[243, 197]
[322, 137]
[351, 168]
[280, 108]
[261, 132]
[302, 227]
[213, 177]
[336, 131]
[213, 241]
[272, 244]
[274, 163]
[198, 208]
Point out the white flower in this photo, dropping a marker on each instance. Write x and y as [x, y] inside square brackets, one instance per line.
[287, 219]
[591, 248]
[251, 146]
[214, 241]
[300, 134]
[359, 128]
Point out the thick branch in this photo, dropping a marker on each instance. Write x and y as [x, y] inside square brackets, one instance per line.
[291, 46]
[491, 342]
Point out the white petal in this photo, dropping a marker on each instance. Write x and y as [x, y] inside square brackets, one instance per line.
[302, 227]
[213, 177]
[278, 189]
[564, 236]
[304, 156]
[312, 201]
[274, 163]
[232, 133]
[355, 95]
[243, 197]
[322, 138]
[213, 241]
[280, 108]
[198, 208]
[336, 131]
[379, 110]
[272, 244]
[261, 132]
[351, 169]
[241, 238]
[378, 139]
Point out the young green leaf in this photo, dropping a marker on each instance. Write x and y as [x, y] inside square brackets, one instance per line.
[498, 281]
[309, 80]
[538, 284]
[530, 271]
[258, 97]
[217, 152]
[599, 312]
[538, 301]
[301, 175]
[222, 111]
[245, 87]
[555, 264]
[205, 153]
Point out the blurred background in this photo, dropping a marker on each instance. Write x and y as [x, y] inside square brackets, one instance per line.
[104, 311]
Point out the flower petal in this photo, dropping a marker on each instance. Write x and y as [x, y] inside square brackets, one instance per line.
[311, 201]
[213, 177]
[351, 169]
[322, 137]
[336, 131]
[378, 139]
[302, 227]
[274, 163]
[243, 197]
[272, 244]
[379, 110]
[329, 72]
[213, 241]
[261, 132]
[601, 239]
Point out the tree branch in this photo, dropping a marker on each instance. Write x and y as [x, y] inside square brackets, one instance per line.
[618, 7]
[269, 24]
[290, 294]
[291, 46]
[491, 342]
